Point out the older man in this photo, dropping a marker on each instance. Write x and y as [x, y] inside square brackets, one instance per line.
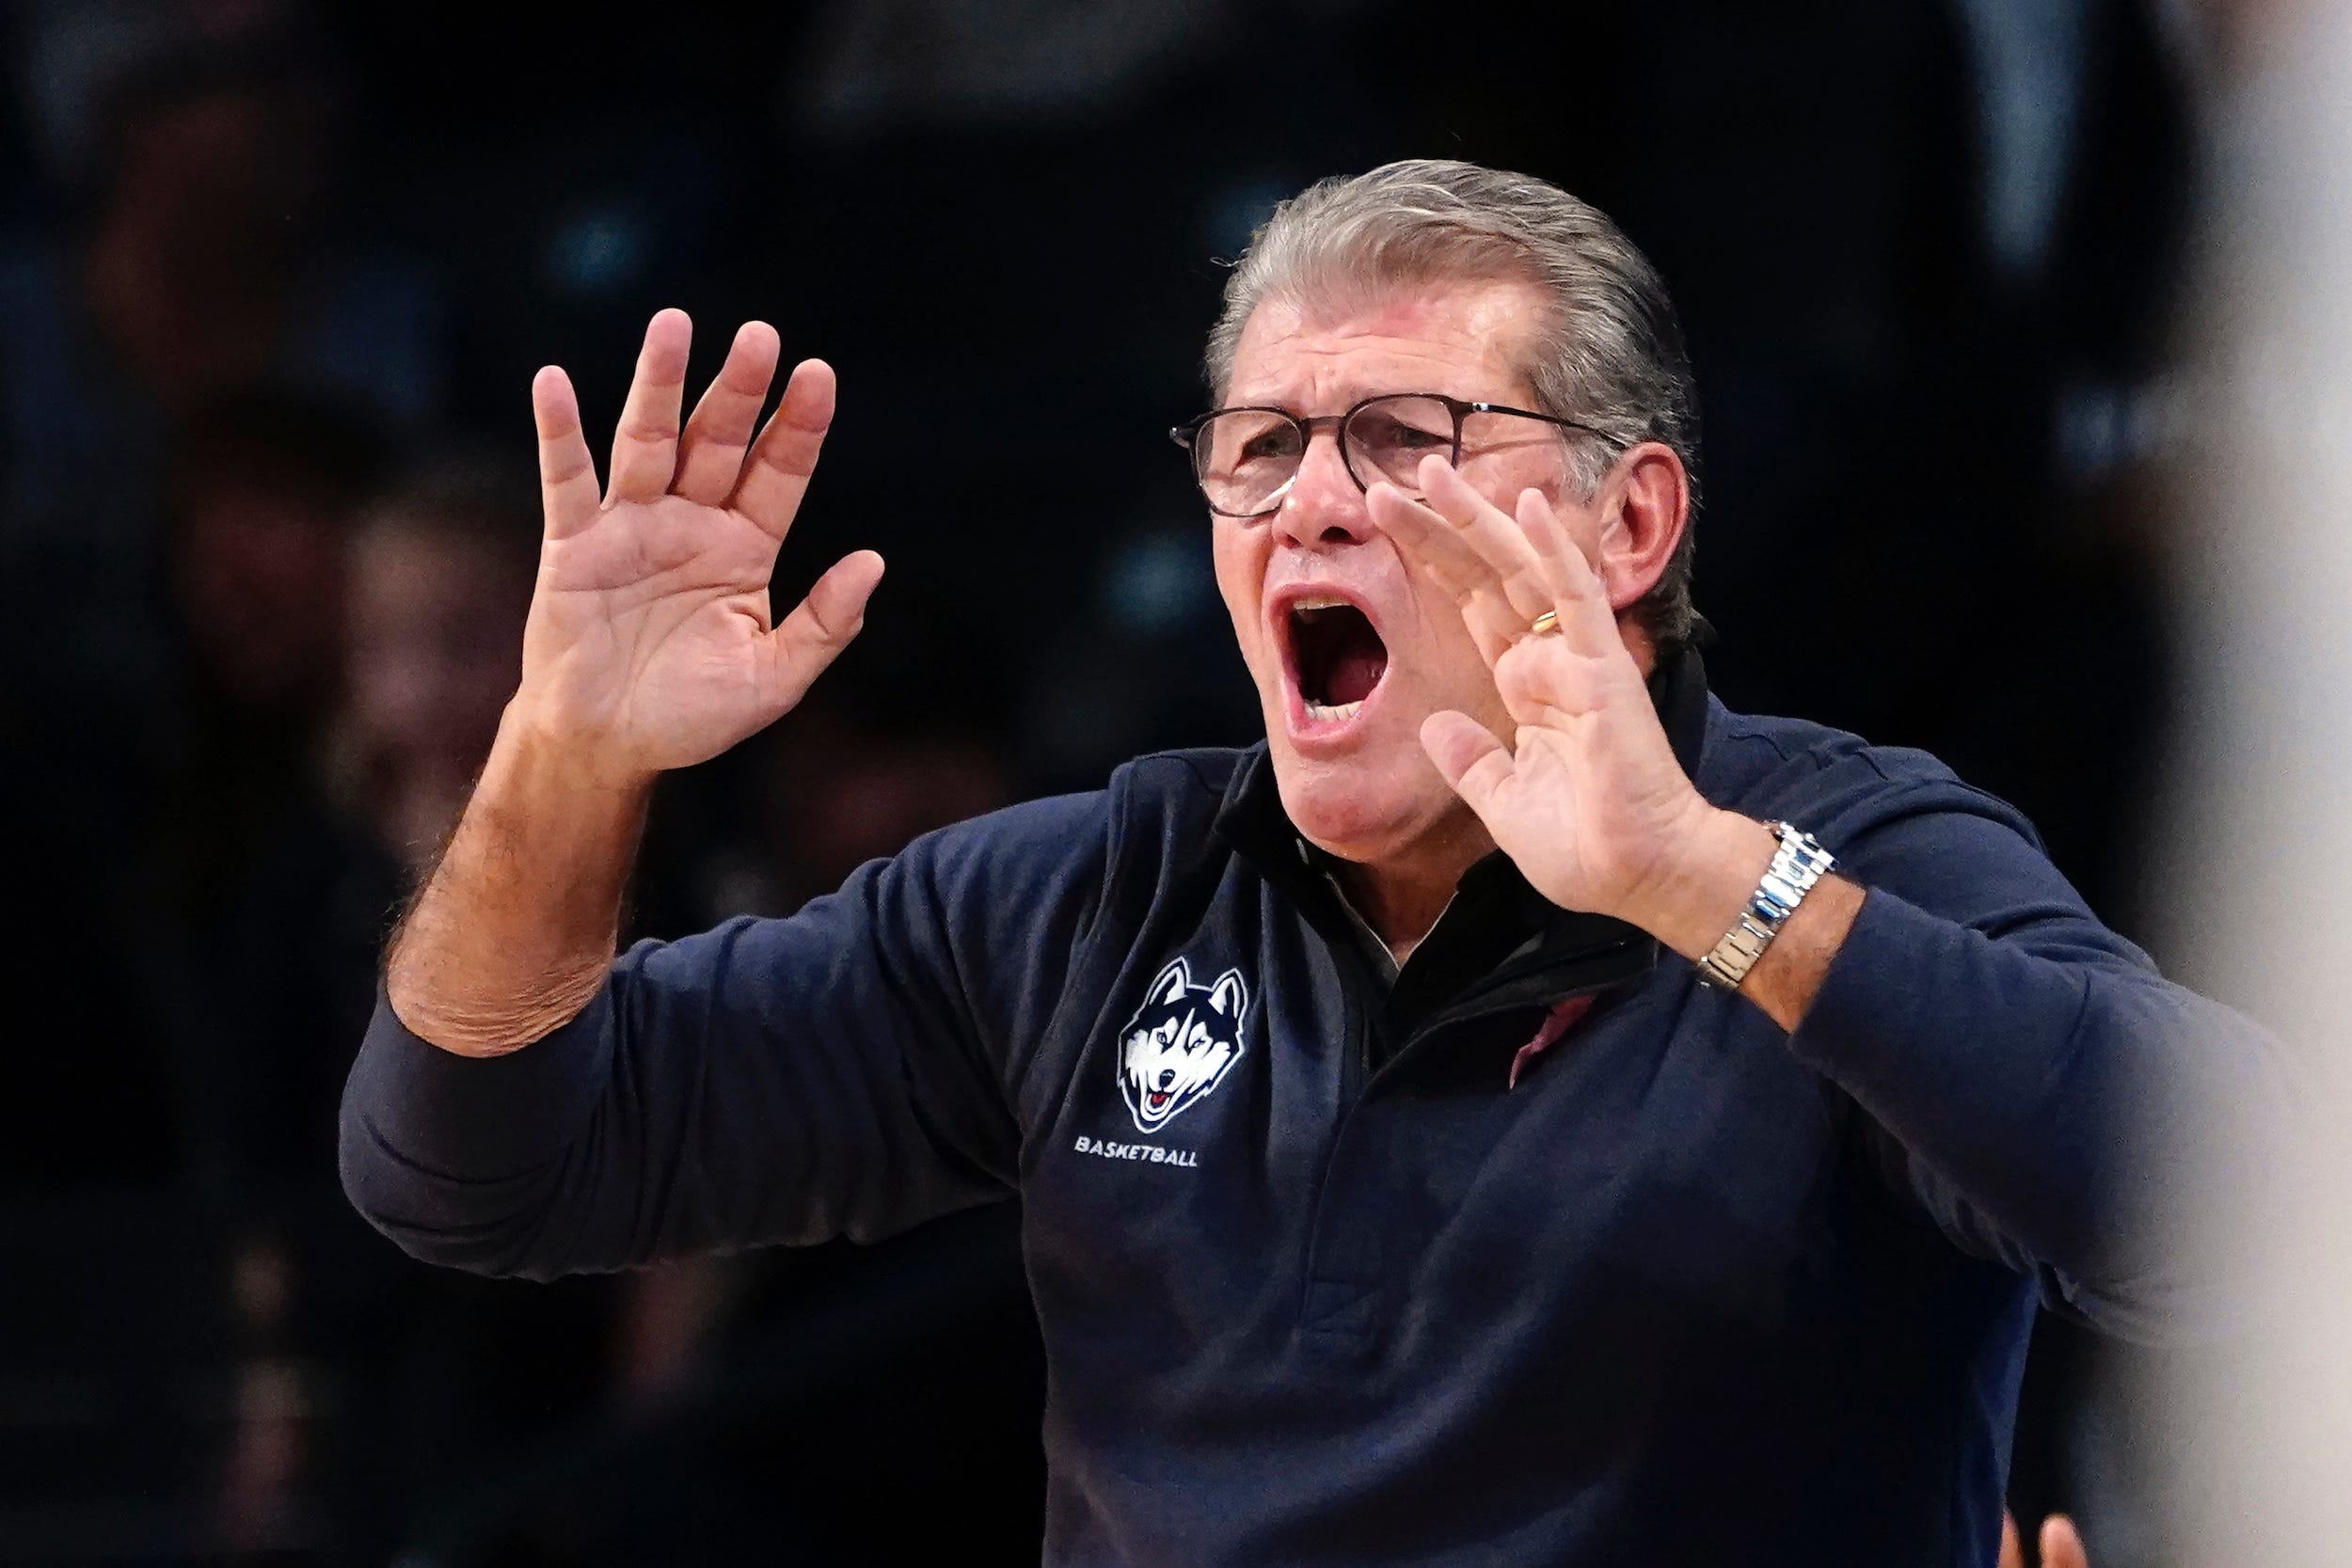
[1484, 1123]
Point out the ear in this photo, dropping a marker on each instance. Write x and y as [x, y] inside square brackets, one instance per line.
[1645, 506]
[1229, 995]
[1170, 986]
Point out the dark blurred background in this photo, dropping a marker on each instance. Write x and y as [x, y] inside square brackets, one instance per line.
[274, 278]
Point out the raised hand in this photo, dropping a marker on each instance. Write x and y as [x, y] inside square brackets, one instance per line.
[651, 644]
[1587, 798]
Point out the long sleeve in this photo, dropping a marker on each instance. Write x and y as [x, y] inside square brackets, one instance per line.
[842, 1072]
[2032, 1083]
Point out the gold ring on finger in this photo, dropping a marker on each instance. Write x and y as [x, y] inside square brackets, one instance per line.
[1547, 621]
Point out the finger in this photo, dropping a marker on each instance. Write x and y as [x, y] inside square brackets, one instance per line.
[711, 453]
[2012, 1550]
[567, 475]
[1578, 598]
[1430, 540]
[1472, 761]
[2062, 1544]
[1432, 546]
[1489, 531]
[645, 446]
[785, 455]
[819, 626]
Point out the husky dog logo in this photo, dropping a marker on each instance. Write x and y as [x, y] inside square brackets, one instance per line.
[1181, 1042]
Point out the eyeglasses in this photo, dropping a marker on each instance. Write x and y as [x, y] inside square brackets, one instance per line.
[1246, 458]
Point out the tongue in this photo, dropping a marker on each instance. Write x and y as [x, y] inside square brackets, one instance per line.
[1355, 672]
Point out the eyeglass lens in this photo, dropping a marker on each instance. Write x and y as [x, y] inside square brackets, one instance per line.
[1244, 457]
[1247, 455]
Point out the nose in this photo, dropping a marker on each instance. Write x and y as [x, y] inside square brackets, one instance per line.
[1323, 505]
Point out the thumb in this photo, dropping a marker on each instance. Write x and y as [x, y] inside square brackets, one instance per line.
[819, 626]
[1468, 756]
[2062, 1544]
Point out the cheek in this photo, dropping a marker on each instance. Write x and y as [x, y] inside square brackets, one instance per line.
[1449, 656]
[1501, 474]
[1447, 669]
[1239, 557]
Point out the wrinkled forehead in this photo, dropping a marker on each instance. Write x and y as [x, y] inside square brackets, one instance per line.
[1318, 352]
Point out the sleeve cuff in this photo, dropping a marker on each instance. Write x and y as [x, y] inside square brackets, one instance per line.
[479, 1119]
[1873, 989]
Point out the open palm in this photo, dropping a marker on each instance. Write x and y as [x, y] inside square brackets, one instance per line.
[650, 641]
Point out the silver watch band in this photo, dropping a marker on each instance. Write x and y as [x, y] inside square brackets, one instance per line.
[1797, 865]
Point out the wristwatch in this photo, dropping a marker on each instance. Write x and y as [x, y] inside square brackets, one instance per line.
[1797, 865]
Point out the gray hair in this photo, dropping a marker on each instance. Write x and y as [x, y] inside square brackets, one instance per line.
[1609, 356]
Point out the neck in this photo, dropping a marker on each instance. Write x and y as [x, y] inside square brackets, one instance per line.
[1401, 896]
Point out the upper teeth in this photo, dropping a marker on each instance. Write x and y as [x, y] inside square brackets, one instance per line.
[1320, 602]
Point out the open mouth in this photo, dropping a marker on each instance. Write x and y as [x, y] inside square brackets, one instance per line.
[1337, 656]
[1156, 1098]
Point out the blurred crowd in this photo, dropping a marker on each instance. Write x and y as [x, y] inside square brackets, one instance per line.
[273, 280]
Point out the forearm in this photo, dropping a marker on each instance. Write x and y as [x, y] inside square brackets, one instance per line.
[2048, 1091]
[511, 932]
[767, 1082]
[2079, 1105]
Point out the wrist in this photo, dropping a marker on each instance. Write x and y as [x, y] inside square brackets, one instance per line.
[538, 753]
[542, 805]
[513, 929]
[1710, 872]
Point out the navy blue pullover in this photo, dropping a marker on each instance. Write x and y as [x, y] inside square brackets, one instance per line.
[1319, 1282]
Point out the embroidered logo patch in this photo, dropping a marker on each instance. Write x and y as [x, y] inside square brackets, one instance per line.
[1180, 1044]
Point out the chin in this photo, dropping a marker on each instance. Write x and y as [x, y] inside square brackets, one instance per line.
[1363, 807]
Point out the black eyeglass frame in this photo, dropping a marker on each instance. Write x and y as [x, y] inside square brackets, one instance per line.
[1187, 435]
